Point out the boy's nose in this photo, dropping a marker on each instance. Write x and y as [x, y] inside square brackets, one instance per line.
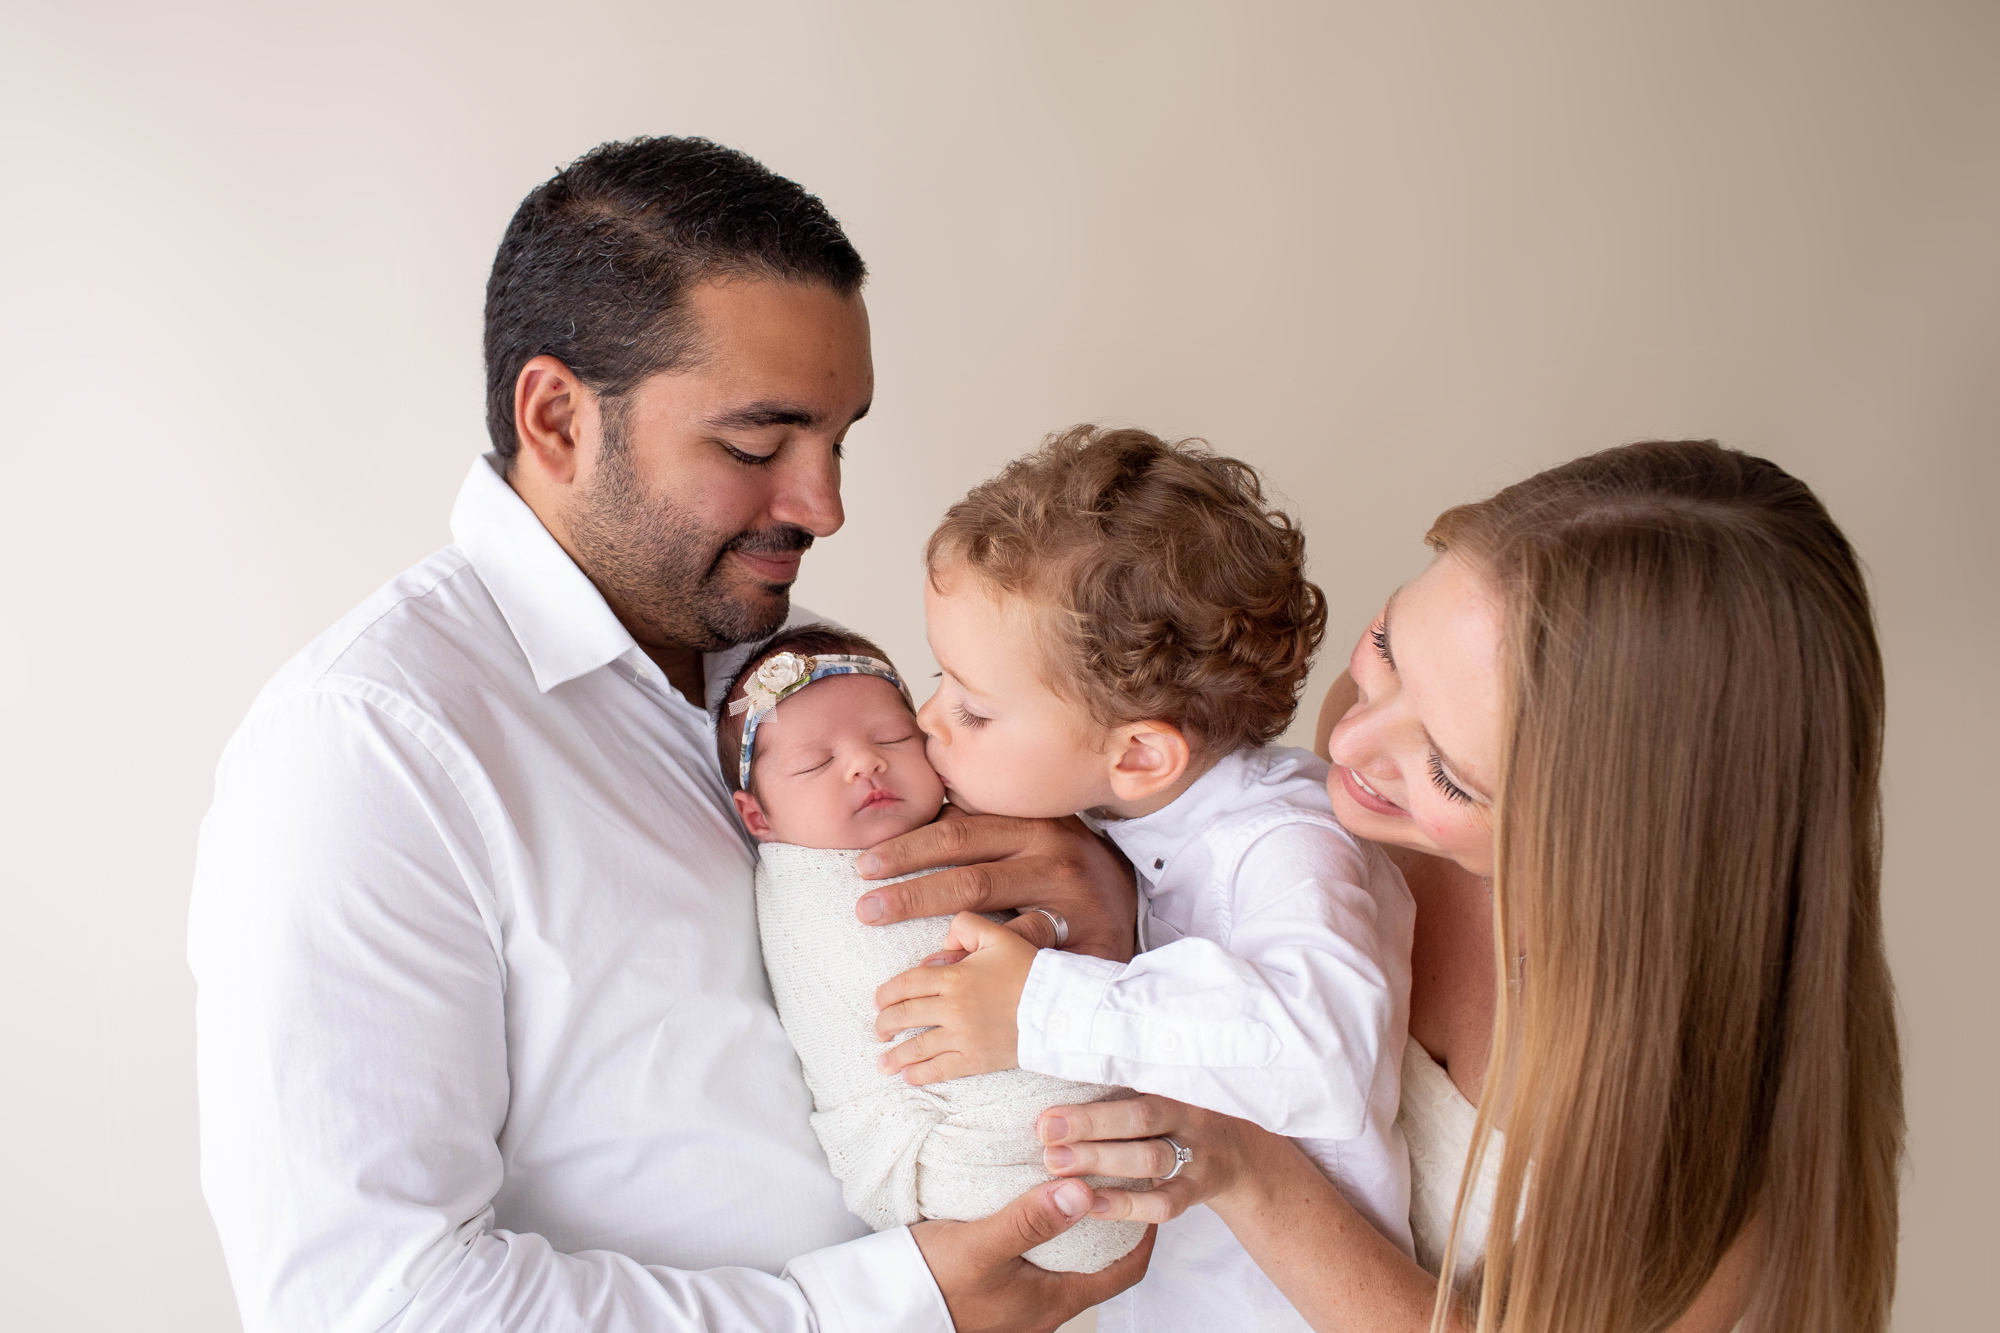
[927, 719]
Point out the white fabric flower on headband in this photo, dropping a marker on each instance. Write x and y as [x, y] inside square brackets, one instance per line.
[777, 677]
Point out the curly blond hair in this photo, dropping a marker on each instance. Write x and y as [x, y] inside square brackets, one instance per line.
[1171, 590]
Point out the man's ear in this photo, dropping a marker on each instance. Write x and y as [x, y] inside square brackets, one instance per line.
[751, 812]
[550, 403]
[1146, 759]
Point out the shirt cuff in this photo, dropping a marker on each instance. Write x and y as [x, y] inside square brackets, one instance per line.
[877, 1284]
[1058, 1005]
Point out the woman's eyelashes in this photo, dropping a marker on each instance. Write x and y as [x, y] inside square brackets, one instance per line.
[1379, 634]
[1442, 781]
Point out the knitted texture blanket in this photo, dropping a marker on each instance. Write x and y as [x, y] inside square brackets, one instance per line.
[961, 1149]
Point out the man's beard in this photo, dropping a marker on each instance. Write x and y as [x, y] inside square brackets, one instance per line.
[662, 570]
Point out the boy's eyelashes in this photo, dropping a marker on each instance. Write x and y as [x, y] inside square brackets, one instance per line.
[970, 721]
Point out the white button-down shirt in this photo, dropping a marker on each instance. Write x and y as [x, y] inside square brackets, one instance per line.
[1274, 985]
[484, 1037]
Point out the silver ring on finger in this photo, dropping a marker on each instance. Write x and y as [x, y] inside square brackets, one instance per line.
[1182, 1156]
[1056, 921]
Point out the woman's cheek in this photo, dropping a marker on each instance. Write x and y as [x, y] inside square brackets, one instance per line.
[1465, 836]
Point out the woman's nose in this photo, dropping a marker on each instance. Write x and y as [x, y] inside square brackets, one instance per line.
[1359, 739]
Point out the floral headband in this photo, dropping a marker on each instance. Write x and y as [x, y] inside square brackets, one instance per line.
[782, 675]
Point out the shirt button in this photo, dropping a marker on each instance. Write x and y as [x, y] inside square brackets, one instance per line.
[1058, 1025]
[1170, 1042]
[1159, 863]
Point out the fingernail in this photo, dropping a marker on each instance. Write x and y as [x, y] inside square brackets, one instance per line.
[1054, 1127]
[867, 864]
[869, 909]
[882, 1060]
[1099, 1205]
[1055, 1159]
[1072, 1197]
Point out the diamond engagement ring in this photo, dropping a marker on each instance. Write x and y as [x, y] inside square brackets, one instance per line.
[1055, 920]
[1182, 1156]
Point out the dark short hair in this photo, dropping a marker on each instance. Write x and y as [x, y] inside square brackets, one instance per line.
[1169, 587]
[806, 640]
[595, 267]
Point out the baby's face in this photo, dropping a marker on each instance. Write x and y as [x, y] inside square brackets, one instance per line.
[840, 764]
[1002, 740]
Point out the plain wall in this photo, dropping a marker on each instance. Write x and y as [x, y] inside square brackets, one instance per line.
[1395, 255]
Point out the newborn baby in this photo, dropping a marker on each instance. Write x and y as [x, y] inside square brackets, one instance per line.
[822, 747]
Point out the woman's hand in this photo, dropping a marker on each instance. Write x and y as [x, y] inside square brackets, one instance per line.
[1128, 1138]
[997, 863]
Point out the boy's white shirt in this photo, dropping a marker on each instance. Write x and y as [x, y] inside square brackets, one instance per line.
[1273, 985]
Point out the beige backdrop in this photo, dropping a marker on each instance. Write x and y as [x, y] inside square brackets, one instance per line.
[1396, 255]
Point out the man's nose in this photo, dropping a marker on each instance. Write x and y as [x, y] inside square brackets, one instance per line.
[810, 492]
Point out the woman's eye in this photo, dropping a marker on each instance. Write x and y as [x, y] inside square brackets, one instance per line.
[1442, 781]
[970, 721]
[1379, 634]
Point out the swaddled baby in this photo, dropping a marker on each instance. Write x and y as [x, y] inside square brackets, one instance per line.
[821, 744]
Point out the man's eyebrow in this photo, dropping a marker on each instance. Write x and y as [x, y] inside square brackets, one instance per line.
[771, 412]
[756, 416]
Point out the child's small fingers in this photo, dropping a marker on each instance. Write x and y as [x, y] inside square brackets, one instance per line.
[918, 981]
[927, 1073]
[903, 1017]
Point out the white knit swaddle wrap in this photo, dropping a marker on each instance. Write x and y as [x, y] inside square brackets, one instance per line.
[961, 1149]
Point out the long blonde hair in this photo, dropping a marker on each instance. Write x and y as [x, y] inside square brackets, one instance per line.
[1696, 1024]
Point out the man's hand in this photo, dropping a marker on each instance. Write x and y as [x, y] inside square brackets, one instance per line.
[998, 863]
[966, 1008]
[989, 1288]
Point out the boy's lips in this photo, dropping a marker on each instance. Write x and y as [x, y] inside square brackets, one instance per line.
[1367, 797]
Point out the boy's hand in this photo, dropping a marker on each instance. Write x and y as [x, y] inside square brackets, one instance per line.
[968, 1007]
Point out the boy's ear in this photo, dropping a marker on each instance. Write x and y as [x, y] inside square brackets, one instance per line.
[1146, 759]
[751, 812]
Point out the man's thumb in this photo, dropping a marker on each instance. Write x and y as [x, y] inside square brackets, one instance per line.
[1043, 1213]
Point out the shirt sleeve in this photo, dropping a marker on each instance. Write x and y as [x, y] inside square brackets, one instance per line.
[1282, 1023]
[352, 1067]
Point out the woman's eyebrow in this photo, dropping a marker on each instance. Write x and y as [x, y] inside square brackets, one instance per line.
[1458, 769]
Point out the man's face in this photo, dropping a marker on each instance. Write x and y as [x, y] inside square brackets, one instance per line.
[710, 481]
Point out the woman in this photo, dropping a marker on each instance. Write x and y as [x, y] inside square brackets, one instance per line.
[1626, 731]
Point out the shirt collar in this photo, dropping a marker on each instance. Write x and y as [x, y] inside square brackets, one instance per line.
[559, 618]
[1151, 842]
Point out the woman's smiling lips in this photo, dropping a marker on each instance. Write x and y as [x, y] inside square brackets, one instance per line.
[1367, 797]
